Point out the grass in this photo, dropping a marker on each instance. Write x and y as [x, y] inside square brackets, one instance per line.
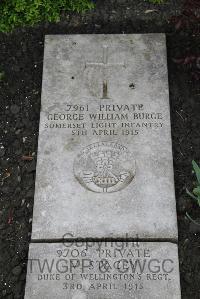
[157, 1]
[195, 194]
[2, 75]
[20, 13]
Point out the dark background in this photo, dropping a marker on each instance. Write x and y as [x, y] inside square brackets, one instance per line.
[21, 61]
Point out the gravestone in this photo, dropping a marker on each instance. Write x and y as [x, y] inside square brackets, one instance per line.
[103, 270]
[104, 172]
[104, 164]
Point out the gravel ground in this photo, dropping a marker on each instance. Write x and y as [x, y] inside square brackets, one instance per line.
[21, 59]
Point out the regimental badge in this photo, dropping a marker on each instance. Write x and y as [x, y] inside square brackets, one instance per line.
[104, 167]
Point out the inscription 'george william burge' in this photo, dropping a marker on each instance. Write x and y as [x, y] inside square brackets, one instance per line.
[108, 119]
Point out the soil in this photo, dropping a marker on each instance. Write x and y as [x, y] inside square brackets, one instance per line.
[21, 61]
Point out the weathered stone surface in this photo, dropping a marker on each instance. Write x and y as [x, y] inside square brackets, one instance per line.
[104, 160]
[103, 271]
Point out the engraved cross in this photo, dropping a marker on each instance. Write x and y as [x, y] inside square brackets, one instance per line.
[104, 65]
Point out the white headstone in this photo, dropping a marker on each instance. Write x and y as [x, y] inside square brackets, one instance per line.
[104, 164]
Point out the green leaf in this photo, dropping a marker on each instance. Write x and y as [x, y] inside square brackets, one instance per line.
[195, 222]
[196, 191]
[197, 170]
[190, 194]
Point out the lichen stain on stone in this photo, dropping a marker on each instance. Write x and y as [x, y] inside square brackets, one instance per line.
[71, 144]
[147, 56]
[79, 295]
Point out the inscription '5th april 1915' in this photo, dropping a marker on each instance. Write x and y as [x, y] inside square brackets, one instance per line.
[105, 120]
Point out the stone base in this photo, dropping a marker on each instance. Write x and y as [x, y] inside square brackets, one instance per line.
[103, 270]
